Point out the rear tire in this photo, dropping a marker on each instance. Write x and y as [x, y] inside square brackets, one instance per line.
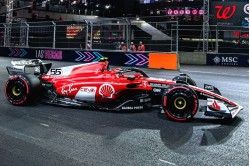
[22, 89]
[180, 102]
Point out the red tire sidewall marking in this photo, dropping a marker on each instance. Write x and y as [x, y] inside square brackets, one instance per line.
[165, 98]
[178, 87]
[27, 90]
[172, 117]
[5, 93]
[196, 104]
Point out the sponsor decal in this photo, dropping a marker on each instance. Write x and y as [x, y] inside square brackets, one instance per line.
[230, 13]
[209, 96]
[246, 9]
[17, 52]
[16, 69]
[158, 85]
[132, 107]
[240, 34]
[88, 56]
[215, 106]
[86, 93]
[187, 12]
[245, 22]
[208, 87]
[225, 12]
[216, 60]
[145, 100]
[66, 89]
[156, 90]
[226, 61]
[106, 91]
[157, 79]
[54, 76]
[137, 59]
[25, 62]
[144, 83]
[88, 89]
[49, 54]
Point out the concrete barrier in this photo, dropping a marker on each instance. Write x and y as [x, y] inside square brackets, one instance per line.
[163, 61]
[160, 60]
[192, 58]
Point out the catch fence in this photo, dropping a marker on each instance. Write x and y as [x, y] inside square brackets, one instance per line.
[167, 36]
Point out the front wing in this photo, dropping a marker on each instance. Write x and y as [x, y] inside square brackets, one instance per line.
[217, 105]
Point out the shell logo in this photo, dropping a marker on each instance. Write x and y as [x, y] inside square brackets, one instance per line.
[106, 91]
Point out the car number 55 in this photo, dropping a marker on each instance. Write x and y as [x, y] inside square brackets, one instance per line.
[56, 71]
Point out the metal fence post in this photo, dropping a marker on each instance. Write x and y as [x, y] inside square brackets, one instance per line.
[27, 34]
[54, 34]
[87, 32]
[217, 40]
[171, 44]
[124, 30]
[127, 33]
[177, 36]
[5, 35]
[91, 34]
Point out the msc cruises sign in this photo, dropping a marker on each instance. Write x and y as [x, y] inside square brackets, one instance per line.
[228, 59]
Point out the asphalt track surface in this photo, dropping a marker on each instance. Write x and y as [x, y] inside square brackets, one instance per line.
[48, 135]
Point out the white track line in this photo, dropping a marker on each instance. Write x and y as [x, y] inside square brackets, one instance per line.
[228, 74]
[44, 124]
[164, 161]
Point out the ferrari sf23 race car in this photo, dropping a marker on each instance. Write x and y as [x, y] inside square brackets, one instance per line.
[97, 86]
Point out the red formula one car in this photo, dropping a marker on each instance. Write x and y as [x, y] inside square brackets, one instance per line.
[95, 85]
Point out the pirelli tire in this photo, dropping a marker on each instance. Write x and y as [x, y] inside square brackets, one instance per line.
[22, 89]
[180, 102]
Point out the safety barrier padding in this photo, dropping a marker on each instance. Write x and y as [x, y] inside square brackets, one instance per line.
[163, 61]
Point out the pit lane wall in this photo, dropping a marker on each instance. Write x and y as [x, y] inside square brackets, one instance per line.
[118, 58]
[157, 60]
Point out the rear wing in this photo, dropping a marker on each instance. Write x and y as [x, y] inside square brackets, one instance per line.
[33, 66]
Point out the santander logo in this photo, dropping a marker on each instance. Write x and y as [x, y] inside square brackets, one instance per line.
[225, 12]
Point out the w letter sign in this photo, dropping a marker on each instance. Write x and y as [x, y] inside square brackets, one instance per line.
[225, 12]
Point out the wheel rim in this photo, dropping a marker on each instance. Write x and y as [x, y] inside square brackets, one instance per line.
[180, 103]
[16, 91]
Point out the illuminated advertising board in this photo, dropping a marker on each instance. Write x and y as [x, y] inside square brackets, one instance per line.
[73, 31]
[229, 13]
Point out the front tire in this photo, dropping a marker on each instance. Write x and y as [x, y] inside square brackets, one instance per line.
[180, 102]
[22, 89]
